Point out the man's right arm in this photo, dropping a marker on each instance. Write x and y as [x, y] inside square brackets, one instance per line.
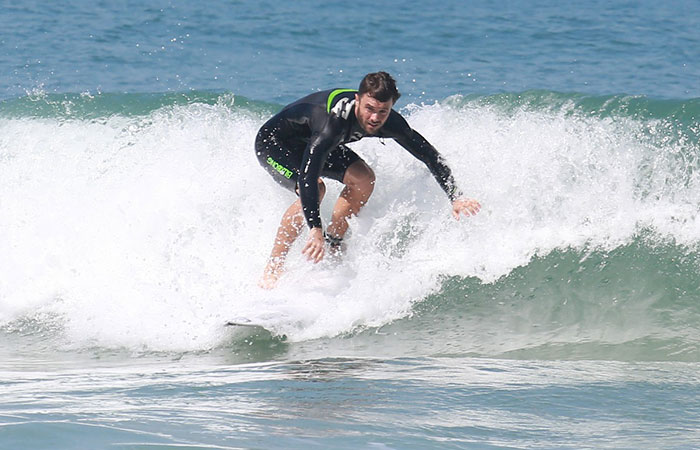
[320, 145]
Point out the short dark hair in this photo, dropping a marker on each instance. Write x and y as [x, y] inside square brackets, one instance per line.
[379, 85]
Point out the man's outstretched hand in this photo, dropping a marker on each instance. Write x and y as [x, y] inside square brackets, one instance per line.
[466, 206]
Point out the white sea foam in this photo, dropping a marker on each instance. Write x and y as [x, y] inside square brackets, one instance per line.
[151, 232]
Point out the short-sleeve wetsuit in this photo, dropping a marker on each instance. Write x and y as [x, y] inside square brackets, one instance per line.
[306, 140]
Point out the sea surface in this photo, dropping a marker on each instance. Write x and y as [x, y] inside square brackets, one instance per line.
[135, 222]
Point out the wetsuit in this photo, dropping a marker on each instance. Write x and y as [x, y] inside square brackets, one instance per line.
[306, 140]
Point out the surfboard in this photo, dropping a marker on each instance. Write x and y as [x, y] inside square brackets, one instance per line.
[250, 328]
[243, 322]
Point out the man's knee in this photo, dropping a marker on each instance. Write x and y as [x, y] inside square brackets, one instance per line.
[359, 175]
[321, 189]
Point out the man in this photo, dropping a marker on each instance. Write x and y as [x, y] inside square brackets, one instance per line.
[306, 141]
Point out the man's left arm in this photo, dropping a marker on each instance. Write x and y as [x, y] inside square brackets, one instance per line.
[420, 148]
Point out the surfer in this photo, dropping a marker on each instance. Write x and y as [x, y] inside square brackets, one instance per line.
[306, 141]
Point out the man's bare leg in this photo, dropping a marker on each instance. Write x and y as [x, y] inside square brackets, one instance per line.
[359, 184]
[290, 227]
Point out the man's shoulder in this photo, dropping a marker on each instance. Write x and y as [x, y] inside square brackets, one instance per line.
[341, 104]
[328, 102]
[395, 125]
[337, 99]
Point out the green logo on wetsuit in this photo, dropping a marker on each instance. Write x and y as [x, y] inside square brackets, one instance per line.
[335, 93]
[280, 168]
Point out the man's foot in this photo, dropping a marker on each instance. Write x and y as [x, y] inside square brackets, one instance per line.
[273, 272]
[267, 282]
[336, 246]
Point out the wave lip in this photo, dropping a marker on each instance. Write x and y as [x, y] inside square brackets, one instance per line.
[90, 106]
[601, 106]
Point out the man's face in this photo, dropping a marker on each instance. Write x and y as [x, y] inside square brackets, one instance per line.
[371, 113]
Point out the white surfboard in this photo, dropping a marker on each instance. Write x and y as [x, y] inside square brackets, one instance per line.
[243, 322]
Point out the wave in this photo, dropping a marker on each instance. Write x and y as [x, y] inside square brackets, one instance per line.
[144, 221]
[90, 106]
[571, 104]
[636, 302]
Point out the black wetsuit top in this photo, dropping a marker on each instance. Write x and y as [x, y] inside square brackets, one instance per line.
[297, 141]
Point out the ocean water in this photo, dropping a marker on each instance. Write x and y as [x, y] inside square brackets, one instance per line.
[135, 221]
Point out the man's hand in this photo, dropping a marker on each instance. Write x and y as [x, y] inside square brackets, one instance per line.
[316, 245]
[466, 206]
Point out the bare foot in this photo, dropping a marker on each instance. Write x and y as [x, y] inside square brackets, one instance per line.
[273, 272]
[268, 281]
